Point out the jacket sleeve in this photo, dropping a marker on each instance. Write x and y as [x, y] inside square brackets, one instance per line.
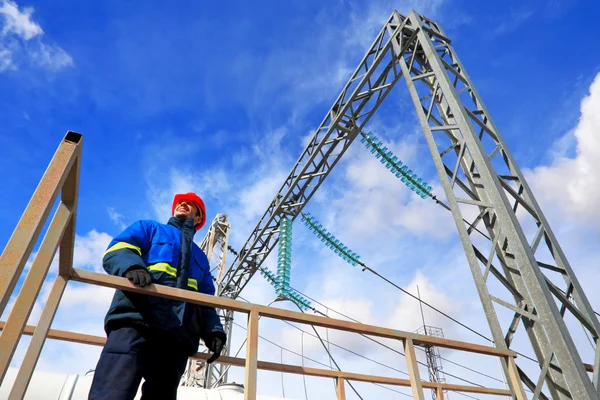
[126, 249]
[211, 323]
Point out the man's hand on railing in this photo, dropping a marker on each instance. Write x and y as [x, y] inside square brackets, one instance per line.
[215, 344]
[139, 276]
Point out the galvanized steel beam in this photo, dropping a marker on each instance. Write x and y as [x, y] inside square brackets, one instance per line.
[484, 185]
[370, 83]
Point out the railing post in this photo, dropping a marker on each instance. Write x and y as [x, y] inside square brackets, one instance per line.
[413, 370]
[31, 287]
[340, 388]
[70, 196]
[514, 380]
[251, 356]
[37, 341]
[439, 394]
[26, 233]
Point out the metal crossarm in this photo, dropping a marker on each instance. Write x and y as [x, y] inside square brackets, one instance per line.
[375, 76]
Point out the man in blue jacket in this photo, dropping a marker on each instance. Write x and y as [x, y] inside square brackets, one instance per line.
[152, 337]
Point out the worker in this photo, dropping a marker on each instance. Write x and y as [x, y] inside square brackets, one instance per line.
[152, 337]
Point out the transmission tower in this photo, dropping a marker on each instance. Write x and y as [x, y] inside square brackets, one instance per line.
[432, 353]
[519, 260]
[214, 244]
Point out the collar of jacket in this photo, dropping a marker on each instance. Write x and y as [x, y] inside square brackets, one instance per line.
[180, 224]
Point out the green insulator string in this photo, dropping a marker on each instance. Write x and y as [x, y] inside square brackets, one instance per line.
[284, 256]
[291, 295]
[330, 241]
[281, 281]
[396, 166]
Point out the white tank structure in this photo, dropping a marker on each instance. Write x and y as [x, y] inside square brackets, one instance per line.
[54, 386]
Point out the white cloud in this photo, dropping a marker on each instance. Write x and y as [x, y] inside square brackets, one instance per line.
[376, 200]
[89, 250]
[366, 24]
[163, 185]
[6, 61]
[51, 57]
[88, 253]
[514, 22]
[19, 22]
[572, 185]
[87, 303]
[116, 217]
[21, 39]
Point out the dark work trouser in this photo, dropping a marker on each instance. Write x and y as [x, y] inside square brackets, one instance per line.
[127, 357]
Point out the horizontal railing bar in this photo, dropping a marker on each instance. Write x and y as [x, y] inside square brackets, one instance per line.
[115, 282]
[276, 313]
[269, 366]
[65, 336]
[351, 376]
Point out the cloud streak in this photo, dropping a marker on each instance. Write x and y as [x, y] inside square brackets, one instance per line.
[21, 41]
[571, 185]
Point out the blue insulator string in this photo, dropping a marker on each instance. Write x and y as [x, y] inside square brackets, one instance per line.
[281, 281]
[330, 241]
[402, 172]
[392, 163]
[290, 293]
[284, 259]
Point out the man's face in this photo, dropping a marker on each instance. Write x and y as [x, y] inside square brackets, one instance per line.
[187, 209]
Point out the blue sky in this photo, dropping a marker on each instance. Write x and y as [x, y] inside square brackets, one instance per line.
[221, 99]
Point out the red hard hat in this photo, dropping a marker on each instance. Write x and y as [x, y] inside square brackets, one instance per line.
[194, 198]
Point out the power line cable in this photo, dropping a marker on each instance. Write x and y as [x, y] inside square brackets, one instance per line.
[354, 259]
[308, 358]
[328, 353]
[365, 267]
[377, 362]
[350, 351]
[391, 348]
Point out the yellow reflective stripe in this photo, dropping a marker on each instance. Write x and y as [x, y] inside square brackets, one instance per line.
[166, 268]
[163, 267]
[123, 245]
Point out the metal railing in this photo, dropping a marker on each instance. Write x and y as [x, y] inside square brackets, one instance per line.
[62, 176]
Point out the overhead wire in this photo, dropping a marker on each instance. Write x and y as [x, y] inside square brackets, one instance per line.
[365, 357]
[585, 331]
[365, 267]
[392, 349]
[302, 355]
[388, 347]
[330, 356]
[308, 358]
[375, 341]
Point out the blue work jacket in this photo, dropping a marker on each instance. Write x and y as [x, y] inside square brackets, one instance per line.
[156, 247]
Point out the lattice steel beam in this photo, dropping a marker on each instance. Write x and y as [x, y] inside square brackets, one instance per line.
[484, 186]
[214, 244]
[370, 83]
[507, 240]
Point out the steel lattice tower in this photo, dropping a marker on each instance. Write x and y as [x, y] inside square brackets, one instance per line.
[516, 261]
[214, 244]
[432, 354]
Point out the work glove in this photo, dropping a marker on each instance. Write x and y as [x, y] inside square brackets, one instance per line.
[215, 344]
[139, 276]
